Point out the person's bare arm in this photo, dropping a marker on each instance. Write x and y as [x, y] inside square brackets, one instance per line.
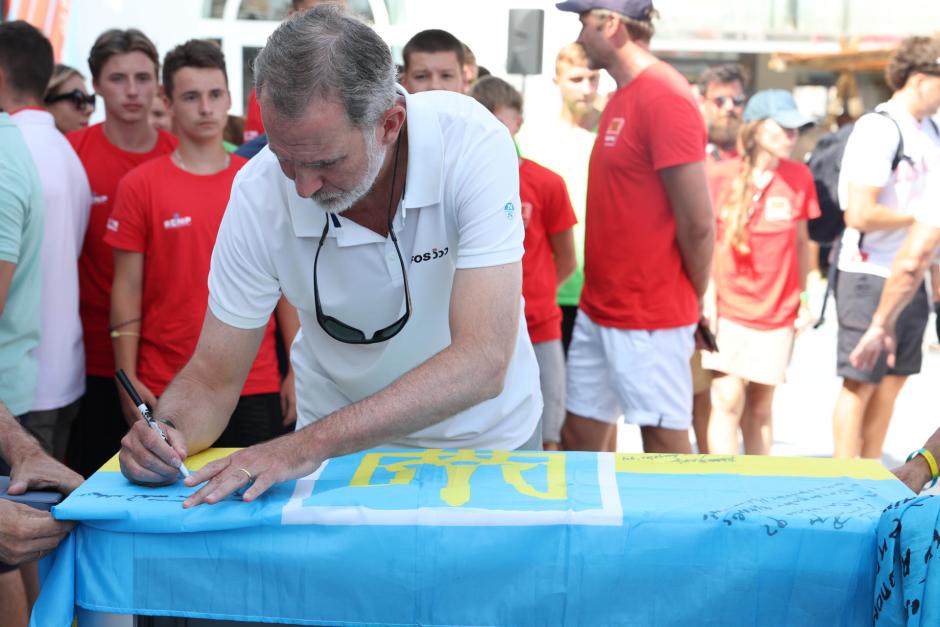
[687, 189]
[566, 261]
[198, 403]
[470, 370]
[7, 269]
[289, 324]
[907, 275]
[865, 214]
[916, 473]
[25, 533]
[126, 297]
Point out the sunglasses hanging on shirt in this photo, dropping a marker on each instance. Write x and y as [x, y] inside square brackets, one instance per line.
[346, 333]
[79, 99]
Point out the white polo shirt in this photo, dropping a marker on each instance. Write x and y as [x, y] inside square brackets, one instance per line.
[459, 211]
[67, 200]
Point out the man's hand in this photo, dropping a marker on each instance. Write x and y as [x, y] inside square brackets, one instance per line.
[289, 399]
[145, 457]
[255, 468]
[27, 534]
[131, 413]
[875, 340]
[38, 471]
[914, 474]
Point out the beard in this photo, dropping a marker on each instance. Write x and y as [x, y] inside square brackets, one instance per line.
[340, 201]
[723, 131]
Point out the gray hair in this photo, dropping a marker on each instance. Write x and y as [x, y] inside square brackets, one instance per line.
[324, 53]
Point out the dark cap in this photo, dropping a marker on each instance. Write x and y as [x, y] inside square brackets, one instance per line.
[636, 9]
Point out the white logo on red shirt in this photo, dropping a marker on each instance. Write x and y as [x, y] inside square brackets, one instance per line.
[613, 131]
[177, 222]
[113, 225]
[99, 199]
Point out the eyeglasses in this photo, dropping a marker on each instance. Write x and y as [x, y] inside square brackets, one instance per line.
[722, 101]
[339, 330]
[80, 99]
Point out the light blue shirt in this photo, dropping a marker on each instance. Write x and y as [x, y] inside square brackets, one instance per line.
[21, 225]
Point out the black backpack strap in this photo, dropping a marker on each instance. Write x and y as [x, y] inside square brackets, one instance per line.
[899, 155]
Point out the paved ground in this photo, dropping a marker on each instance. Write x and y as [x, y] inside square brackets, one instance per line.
[803, 407]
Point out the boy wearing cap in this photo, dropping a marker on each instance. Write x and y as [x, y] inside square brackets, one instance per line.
[763, 200]
[882, 196]
[648, 242]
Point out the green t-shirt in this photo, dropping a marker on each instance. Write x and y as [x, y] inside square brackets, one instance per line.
[565, 150]
[21, 216]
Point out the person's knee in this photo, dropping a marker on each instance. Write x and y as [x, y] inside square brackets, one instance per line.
[662, 440]
[584, 434]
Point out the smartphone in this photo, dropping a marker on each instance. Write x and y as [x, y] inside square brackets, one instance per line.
[707, 337]
[37, 499]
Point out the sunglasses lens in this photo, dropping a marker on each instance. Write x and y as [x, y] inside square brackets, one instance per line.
[341, 331]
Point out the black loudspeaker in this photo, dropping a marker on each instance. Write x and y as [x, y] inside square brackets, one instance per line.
[524, 52]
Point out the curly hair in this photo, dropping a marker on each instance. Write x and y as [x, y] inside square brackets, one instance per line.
[914, 55]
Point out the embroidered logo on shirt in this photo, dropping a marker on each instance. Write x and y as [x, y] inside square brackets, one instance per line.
[99, 199]
[510, 210]
[526, 213]
[177, 222]
[113, 225]
[613, 131]
[435, 253]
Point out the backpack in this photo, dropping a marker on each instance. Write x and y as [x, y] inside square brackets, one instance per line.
[825, 163]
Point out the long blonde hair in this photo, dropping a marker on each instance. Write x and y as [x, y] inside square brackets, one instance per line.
[736, 210]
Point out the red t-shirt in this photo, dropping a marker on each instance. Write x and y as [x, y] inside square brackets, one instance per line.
[173, 217]
[546, 211]
[105, 164]
[633, 272]
[761, 290]
[253, 124]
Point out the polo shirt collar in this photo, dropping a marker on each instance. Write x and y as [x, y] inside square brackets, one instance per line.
[423, 183]
[423, 186]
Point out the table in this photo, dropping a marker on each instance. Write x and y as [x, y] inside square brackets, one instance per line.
[435, 537]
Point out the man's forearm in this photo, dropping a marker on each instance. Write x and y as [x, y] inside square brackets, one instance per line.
[696, 245]
[451, 381]
[907, 273]
[199, 411]
[877, 218]
[687, 189]
[15, 443]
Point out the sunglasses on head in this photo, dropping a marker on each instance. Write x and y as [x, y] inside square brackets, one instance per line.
[722, 101]
[80, 99]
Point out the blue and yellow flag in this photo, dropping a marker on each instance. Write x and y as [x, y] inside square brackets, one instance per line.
[457, 537]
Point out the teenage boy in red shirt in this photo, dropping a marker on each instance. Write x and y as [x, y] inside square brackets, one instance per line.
[163, 228]
[549, 256]
[124, 66]
[648, 242]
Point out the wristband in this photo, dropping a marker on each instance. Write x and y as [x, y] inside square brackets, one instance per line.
[931, 462]
[804, 297]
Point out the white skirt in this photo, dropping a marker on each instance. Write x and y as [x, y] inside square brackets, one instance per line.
[757, 355]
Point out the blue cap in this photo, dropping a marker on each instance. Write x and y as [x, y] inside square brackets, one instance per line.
[779, 106]
[636, 9]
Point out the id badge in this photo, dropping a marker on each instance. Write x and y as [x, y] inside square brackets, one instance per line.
[778, 209]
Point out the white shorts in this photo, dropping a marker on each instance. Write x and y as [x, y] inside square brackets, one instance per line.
[643, 375]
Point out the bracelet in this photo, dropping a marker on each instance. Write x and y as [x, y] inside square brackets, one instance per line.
[123, 324]
[804, 297]
[120, 333]
[931, 462]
